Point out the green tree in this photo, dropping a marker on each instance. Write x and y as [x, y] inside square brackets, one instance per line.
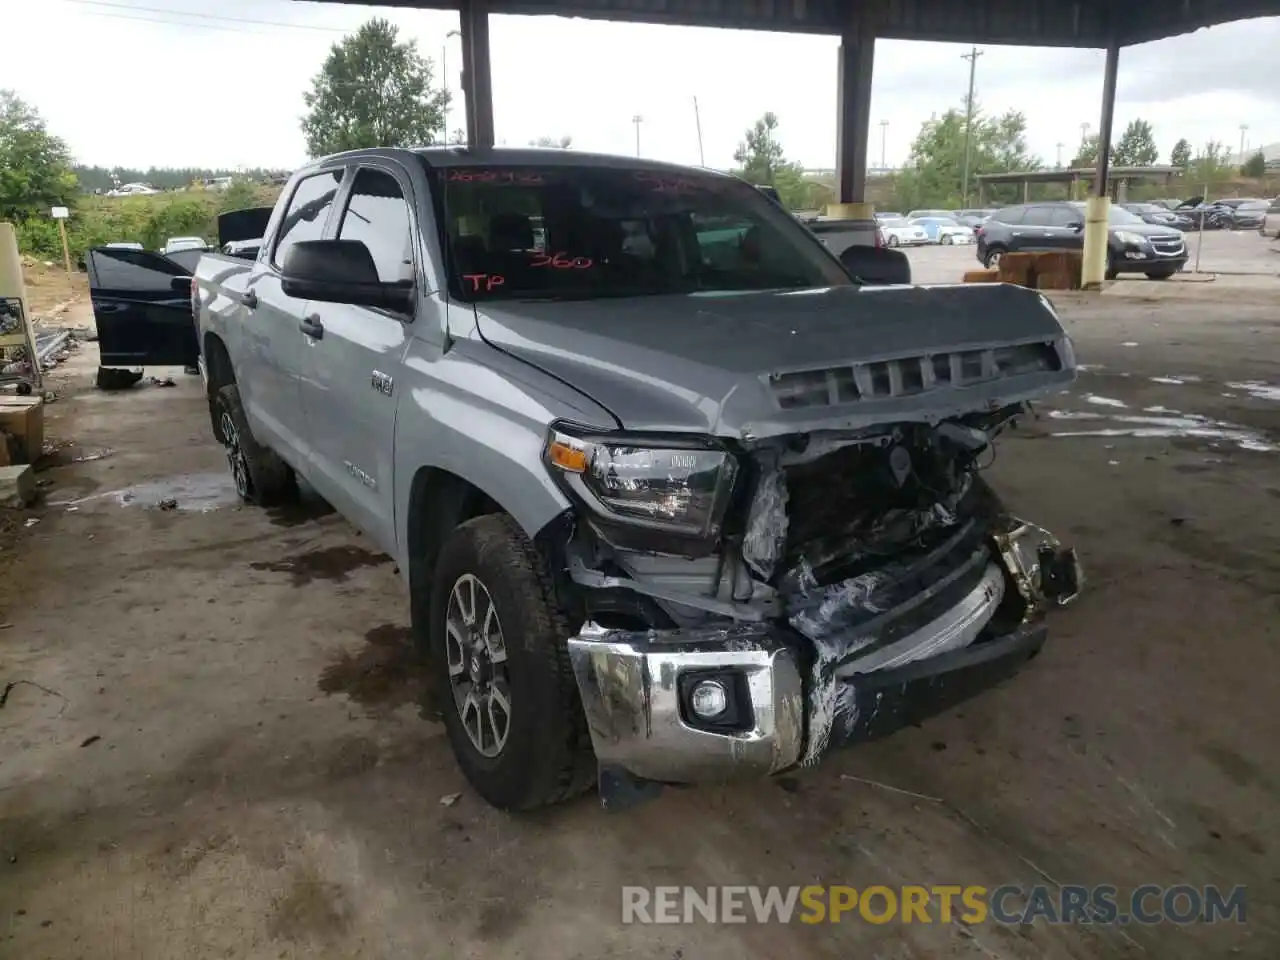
[1137, 146]
[1255, 166]
[458, 138]
[373, 90]
[759, 156]
[240, 195]
[1180, 156]
[1210, 164]
[35, 166]
[558, 143]
[1087, 152]
[935, 168]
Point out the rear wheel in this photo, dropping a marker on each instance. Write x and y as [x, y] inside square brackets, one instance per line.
[500, 663]
[260, 475]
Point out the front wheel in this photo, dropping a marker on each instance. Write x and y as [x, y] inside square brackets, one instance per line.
[992, 260]
[1160, 274]
[500, 665]
[893, 241]
[946, 241]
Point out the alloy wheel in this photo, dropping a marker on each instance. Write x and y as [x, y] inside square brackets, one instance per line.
[235, 454]
[476, 653]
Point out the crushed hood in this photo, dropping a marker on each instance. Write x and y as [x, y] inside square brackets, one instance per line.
[720, 364]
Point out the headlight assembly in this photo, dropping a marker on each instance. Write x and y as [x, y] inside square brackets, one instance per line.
[1132, 239]
[677, 484]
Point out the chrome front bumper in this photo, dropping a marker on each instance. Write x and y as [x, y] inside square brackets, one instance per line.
[635, 702]
[630, 690]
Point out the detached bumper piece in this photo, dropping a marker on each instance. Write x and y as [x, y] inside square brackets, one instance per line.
[711, 704]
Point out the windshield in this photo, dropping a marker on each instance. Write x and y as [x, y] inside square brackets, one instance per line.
[943, 221]
[895, 222]
[1253, 205]
[586, 232]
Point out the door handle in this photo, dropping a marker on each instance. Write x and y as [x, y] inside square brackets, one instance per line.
[249, 299]
[312, 327]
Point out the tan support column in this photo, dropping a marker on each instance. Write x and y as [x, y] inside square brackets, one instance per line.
[11, 282]
[1097, 210]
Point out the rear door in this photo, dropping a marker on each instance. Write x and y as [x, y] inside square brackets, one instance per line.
[349, 373]
[142, 307]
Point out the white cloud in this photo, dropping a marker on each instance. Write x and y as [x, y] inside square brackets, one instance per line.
[157, 84]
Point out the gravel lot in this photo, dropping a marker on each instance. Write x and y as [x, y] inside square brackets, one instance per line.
[230, 753]
[1225, 251]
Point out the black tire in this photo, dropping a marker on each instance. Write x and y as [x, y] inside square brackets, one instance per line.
[991, 259]
[261, 476]
[946, 241]
[547, 755]
[1160, 274]
[893, 241]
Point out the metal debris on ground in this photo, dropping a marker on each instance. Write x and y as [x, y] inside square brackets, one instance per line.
[169, 503]
[449, 799]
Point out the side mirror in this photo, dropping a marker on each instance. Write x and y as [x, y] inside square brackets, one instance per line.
[340, 271]
[877, 265]
[181, 285]
[1076, 225]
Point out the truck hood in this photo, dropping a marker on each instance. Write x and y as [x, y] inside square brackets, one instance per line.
[761, 364]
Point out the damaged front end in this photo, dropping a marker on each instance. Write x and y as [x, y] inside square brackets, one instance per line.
[748, 606]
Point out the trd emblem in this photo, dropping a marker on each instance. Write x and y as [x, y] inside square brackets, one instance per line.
[382, 383]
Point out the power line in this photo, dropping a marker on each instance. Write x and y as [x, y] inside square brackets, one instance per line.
[202, 16]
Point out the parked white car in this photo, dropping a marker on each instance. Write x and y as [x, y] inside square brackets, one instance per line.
[1271, 220]
[945, 230]
[901, 232]
[132, 190]
[174, 244]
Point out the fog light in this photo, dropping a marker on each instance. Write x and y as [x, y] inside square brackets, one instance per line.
[709, 699]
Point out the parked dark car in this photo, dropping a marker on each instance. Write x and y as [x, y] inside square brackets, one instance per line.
[1159, 215]
[1246, 214]
[1132, 245]
[972, 218]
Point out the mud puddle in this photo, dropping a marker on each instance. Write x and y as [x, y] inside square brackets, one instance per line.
[330, 563]
[385, 673]
[190, 493]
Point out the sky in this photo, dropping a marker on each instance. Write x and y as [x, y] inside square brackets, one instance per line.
[193, 83]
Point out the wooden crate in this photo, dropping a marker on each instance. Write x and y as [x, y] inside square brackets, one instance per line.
[23, 417]
[982, 276]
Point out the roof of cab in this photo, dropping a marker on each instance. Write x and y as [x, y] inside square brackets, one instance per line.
[522, 156]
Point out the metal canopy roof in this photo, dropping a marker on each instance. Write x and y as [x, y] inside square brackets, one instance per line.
[1050, 23]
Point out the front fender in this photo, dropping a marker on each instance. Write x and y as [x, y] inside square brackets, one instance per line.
[481, 415]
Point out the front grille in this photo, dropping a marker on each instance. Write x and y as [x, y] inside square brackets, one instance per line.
[908, 376]
[1167, 244]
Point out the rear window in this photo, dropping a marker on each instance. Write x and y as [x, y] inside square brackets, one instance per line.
[587, 232]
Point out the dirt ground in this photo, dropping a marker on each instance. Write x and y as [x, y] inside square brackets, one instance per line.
[229, 754]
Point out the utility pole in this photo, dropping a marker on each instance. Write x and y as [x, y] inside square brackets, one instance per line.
[697, 119]
[1244, 128]
[444, 77]
[1084, 133]
[884, 131]
[637, 120]
[972, 56]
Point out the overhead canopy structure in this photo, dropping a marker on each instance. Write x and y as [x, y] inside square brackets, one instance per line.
[1046, 23]
[1107, 24]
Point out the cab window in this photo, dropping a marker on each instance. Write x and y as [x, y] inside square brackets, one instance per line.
[307, 212]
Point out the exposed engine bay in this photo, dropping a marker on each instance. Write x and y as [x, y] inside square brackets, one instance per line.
[880, 548]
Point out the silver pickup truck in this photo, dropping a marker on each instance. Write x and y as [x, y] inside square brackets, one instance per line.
[677, 495]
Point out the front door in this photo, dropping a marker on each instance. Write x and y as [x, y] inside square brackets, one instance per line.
[352, 359]
[142, 308]
[273, 349]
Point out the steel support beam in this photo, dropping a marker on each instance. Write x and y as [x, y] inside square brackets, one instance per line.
[1098, 208]
[477, 81]
[853, 111]
[1103, 167]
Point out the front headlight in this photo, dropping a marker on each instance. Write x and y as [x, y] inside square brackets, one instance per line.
[672, 483]
[1133, 239]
